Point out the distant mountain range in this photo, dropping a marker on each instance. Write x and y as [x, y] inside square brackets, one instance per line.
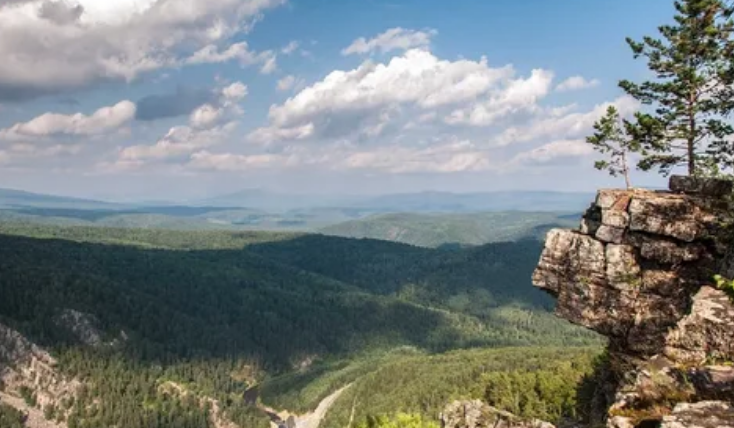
[428, 201]
[10, 198]
[427, 219]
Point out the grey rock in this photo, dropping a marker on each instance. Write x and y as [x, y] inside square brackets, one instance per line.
[706, 333]
[615, 218]
[704, 414]
[703, 186]
[610, 234]
[639, 271]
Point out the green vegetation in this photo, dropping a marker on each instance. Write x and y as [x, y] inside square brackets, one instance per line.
[189, 317]
[399, 420]
[11, 418]
[531, 382]
[611, 137]
[452, 230]
[690, 96]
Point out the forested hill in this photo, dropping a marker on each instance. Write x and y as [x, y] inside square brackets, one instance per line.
[454, 229]
[273, 301]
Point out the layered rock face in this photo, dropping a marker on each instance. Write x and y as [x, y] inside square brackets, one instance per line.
[640, 270]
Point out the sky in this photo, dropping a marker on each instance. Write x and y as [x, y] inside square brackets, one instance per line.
[185, 99]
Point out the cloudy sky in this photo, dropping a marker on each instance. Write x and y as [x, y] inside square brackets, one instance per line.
[179, 99]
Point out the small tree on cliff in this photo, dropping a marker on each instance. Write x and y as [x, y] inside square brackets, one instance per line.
[691, 94]
[612, 139]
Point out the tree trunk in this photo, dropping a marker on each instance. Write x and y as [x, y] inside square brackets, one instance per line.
[691, 134]
[626, 171]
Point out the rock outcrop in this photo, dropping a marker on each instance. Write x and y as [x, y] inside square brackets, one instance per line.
[475, 414]
[639, 271]
[24, 366]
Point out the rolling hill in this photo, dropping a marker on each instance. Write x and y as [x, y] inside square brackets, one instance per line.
[452, 230]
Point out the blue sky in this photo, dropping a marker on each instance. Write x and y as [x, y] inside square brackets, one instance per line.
[180, 99]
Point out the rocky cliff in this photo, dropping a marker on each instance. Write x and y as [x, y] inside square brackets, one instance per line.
[639, 270]
[31, 382]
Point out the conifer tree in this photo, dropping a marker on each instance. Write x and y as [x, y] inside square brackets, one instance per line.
[688, 101]
[611, 137]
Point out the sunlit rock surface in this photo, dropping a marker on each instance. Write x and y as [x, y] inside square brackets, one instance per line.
[640, 270]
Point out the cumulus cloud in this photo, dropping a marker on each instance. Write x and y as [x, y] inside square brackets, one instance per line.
[519, 95]
[576, 83]
[345, 102]
[102, 121]
[206, 116]
[60, 12]
[185, 100]
[178, 142]
[566, 124]
[237, 51]
[235, 92]
[209, 124]
[392, 39]
[555, 152]
[55, 46]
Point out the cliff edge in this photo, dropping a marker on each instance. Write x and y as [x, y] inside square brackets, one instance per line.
[639, 270]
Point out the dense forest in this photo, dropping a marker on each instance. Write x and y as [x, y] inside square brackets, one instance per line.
[196, 308]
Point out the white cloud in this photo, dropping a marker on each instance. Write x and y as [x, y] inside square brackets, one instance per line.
[290, 47]
[205, 116]
[57, 50]
[235, 92]
[575, 83]
[554, 152]
[453, 157]
[237, 51]
[34, 151]
[519, 95]
[26, 154]
[270, 65]
[205, 160]
[416, 79]
[102, 121]
[392, 39]
[445, 157]
[178, 142]
[270, 135]
[569, 126]
[417, 83]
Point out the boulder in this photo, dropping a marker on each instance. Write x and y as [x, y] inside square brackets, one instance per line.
[703, 186]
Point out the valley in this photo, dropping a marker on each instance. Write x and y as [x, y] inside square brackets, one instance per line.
[295, 316]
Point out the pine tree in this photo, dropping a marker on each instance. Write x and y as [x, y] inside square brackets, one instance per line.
[611, 137]
[691, 94]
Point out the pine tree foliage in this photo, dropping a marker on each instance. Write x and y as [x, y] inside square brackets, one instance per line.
[611, 137]
[689, 99]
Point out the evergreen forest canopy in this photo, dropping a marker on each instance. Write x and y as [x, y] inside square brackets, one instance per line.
[195, 307]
